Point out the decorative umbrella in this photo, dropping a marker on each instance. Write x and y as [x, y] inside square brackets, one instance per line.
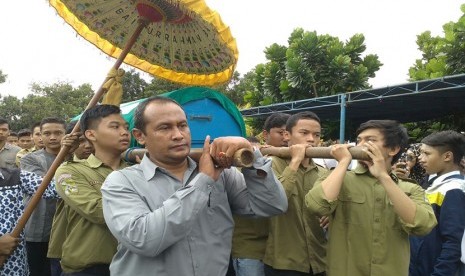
[182, 41]
[179, 40]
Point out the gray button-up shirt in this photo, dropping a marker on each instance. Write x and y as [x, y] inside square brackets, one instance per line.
[165, 227]
[39, 225]
[8, 156]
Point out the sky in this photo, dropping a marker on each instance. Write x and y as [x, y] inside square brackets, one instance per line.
[38, 46]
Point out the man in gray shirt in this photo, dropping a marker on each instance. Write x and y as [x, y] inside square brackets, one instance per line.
[172, 216]
[7, 151]
[40, 223]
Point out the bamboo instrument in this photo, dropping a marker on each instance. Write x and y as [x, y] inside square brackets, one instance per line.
[241, 158]
[245, 158]
[314, 152]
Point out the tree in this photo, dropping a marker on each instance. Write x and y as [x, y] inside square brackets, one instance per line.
[133, 86]
[312, 66]
[441, 56]
[10, 108]
[2, 77]
[60, 100]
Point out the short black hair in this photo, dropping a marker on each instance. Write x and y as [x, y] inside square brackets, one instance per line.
[13, 133]
[275, 120]
[447, 140]
[92, 116]
[4, 122]
[52, 120]
[395, 134]
[34, 125]
[24, 132]
[304, 115]
[139, 118]
[70, 126]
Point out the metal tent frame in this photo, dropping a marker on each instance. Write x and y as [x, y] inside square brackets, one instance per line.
[409, 102]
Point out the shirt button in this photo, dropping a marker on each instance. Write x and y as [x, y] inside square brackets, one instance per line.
[376, 240]
[376, 219]
[378, 199]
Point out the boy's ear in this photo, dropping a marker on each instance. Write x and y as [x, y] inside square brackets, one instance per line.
[265, 134]
[448, 156]
[90, 135]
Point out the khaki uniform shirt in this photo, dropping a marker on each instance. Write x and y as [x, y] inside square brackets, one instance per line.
[8, 156]
[296, 240]
[60, 222]
[21, 153]
[366, 236]
[249, 237]
[88, 241]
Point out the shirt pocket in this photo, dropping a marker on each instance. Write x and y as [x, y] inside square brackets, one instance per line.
[352, 209]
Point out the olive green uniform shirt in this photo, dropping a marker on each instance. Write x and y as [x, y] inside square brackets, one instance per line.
[366, 236]
[88, 240]
[60, 222]
[296, 241]
[249, 237]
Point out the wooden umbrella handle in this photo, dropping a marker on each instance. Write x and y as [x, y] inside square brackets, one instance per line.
[241, 158]
[314, 152]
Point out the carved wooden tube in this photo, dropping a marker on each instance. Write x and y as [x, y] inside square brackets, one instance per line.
[245, 158]
[314, 152]
[241, 158]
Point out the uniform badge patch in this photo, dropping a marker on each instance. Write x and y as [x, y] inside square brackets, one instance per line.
[68, 184]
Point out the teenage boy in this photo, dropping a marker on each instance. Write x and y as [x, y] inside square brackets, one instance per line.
[40, 223]
[438, 253]
[88, 245]
[14, 184]
[37, 143]
[25, 139]
[60, 222]
[371, 211]
[296, 243]
[250, 234]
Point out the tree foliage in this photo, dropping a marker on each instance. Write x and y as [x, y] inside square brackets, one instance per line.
[57, 100]
[311, 66]
[2, 77]
[441, 56]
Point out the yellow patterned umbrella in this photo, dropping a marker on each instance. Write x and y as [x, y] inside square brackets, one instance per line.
[181, 41]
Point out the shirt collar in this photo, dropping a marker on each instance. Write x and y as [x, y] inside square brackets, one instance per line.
[441, 178]
[149, 169]
[1, 175]
[360, 169]
[94, 162]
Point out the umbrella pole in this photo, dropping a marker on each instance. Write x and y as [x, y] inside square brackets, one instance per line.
[64, 151]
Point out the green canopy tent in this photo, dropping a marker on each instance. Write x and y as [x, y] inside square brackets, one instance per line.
[208, 112]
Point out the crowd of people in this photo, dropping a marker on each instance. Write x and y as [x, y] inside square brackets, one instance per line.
[399, 213]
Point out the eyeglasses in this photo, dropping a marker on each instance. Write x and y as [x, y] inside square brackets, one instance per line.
[410, 158]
